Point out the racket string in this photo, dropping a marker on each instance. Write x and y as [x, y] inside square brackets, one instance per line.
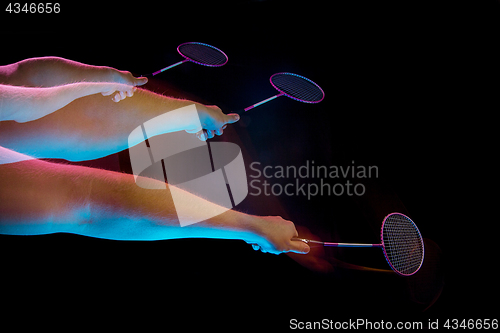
[300, 91]
[402, 244]
[203, 54]
[297, 87]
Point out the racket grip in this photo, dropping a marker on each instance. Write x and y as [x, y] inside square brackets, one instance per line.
[301, 240]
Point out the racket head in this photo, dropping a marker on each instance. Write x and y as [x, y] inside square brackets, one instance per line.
[402, 244]
[297, 87]
[202, 54]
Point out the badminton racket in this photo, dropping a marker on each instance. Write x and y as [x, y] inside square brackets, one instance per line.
[199, 53]
[293, 86]
[401, 242]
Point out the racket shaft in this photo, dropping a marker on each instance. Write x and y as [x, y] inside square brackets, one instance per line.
[164, 69]
[350, 245]
[308, 241]
[264, 101]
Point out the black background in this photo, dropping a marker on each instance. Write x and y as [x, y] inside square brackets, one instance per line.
[409, 87]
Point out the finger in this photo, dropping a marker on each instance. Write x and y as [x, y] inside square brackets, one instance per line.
[202, 135]
[219, 131]
[299, 247]
[116, 98]
[127, 78]
[210, 133]
[232, 118]
[140, 81]
[123, 95]
[131, 92]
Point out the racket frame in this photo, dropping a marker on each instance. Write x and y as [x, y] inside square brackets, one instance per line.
[295, 98]
[383, 245]
[201, 63]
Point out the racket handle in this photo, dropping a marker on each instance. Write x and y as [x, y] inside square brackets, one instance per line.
[307, 241]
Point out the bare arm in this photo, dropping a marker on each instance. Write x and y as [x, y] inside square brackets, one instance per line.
[38, 197]
[46, 72]
[55, 71]
[24, 104]
[95, 126]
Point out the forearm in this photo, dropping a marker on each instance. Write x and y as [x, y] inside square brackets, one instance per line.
[38, 197]
[24, 104]
[52, 71]
[124, 211]
[90, 127]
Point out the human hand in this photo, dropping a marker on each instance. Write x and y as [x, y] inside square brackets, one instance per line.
[316, 260]
[276, 236]
[213, 121]
[122, 91]
[125, 86]
[126, 77]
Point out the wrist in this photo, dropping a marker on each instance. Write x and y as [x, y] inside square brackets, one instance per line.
[103, 73]
[253, 226]
[202, 112]
[232, 225]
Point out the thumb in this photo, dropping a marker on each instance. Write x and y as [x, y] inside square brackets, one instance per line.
[232, 118]
[299, 247]
[140, 81]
